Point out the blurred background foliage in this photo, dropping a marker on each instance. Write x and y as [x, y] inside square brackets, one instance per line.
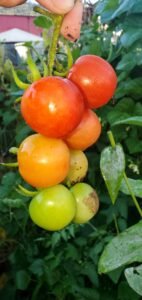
[35, 264]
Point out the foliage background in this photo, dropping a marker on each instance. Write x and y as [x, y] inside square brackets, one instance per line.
[35, 264]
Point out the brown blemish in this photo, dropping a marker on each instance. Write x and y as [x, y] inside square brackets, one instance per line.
[92, 202]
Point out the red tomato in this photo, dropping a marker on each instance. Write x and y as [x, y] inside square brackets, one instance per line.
[43, 162]
[52, 106]
[86, 133]
[95, 77]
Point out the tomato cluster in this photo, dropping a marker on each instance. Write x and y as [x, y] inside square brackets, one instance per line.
[60, 111]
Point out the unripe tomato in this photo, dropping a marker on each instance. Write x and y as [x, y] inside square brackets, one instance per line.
[52, 106]
[86, 133]
[53, 208]
[43, 161]
[96, 79]
[78, 167]
[87, 202]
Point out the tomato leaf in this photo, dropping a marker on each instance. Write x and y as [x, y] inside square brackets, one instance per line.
[137, 120]
[136, 186]
[122, 250]
[134, 278]
[43, 22]
[112, 166]
[22, 280]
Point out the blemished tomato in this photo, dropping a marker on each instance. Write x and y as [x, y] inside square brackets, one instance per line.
[78, 167]
[95, 77]
[86, 133]
[52, 106]
[43, 161]
[53, 208]
[87, 202]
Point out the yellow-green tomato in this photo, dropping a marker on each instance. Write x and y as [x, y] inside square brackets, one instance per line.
[87, 202]
[53, 208]
[78, 167]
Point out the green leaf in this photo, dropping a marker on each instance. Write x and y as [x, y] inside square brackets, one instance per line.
[136, 186]
[22, 280]
[130, 6]
[134, 278]
[122, 250]
[13, 203]
[136, 120]
[132, 30]
[125, 292]
[112, 166]
[43, 22]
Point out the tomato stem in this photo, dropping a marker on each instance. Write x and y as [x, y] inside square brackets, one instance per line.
[13, 150]
[22, 85]
[32, 67]
[10, 165]
[26, 192]
[53, 47]
[113, 144]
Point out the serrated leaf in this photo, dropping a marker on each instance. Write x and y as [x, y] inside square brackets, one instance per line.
[122, 250]
[112, 166]
[136, 186]
[137, 120]
[134, 278]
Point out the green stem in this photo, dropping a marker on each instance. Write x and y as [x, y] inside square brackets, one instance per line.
[10, 165]
[132, 194]
[113, 144]
[22, 85]
[27, 192]
[44, 12]
[53, 47]
[116, 224]
[32, 67]
[13, 150]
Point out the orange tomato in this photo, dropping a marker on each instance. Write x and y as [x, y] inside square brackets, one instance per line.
[43, 162]
[86, 133]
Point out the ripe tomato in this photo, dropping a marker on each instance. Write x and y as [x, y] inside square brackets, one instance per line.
[78, 167]
[52, 106]
[53, 208]
[43, 161]
[86, 133]
[87, 202]
[96, 79]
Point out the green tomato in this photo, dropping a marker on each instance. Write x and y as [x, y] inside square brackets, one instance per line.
[87, 202]
[53, 208]
[78, 167]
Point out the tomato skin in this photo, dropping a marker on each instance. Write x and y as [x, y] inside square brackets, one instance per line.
[86, 133]
[53, 208]
[78, 167]
[96, 79]
[43, 161]
[52, 106]
[87, 202]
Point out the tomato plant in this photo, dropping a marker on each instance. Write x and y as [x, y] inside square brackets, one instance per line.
[86, 133]
[43, 161]
[52, 106]
[95, 77]
[53, 208]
